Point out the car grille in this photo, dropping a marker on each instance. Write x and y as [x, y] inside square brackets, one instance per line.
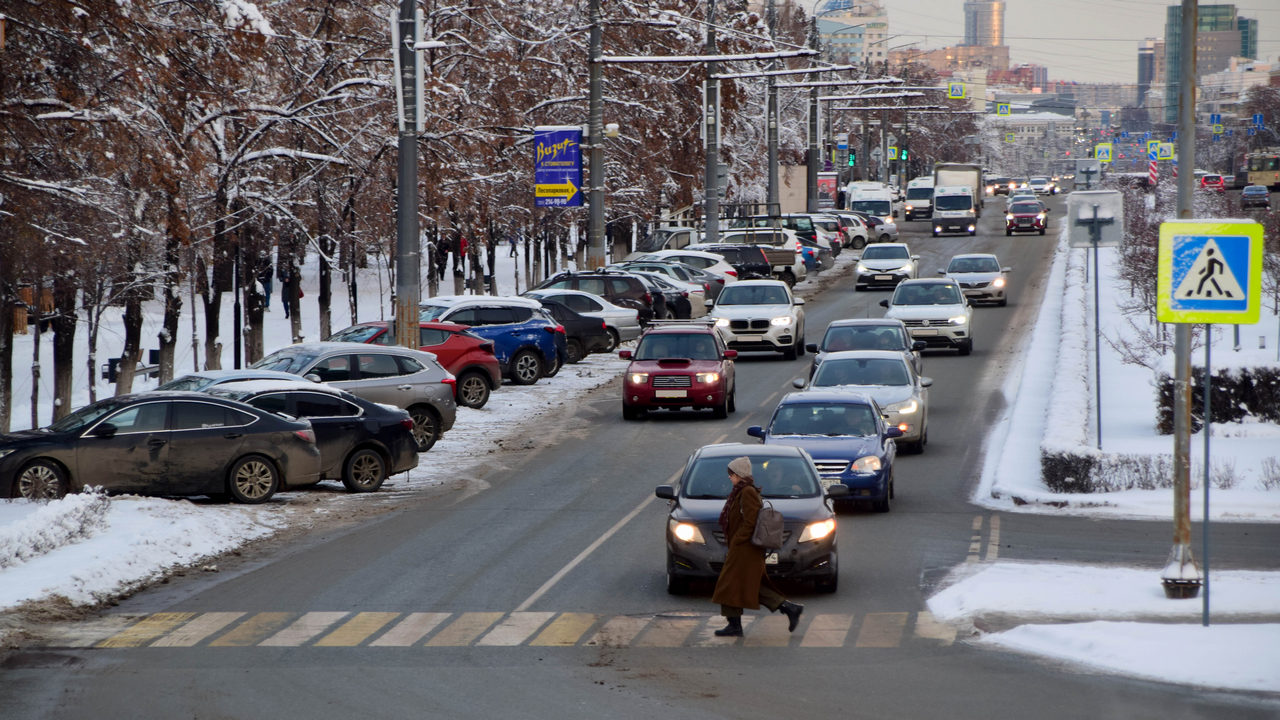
[760, 325]
[974, 285]
[672, 381]
[940, 322]
[782, 569]
[719, 535]
[830, 467]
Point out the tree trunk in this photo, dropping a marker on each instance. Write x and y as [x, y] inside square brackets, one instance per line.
[325, 244]
[6, 354]
[132, 341]
[64, 338]
[212, 300]
[168, 335]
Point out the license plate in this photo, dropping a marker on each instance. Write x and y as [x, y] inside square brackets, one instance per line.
[670, 393]
[828, 481]
[1024, 223]
[924, 332]
[884, 277]
[771, 558]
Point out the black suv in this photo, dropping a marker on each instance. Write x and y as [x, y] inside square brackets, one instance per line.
[621, 289]
[583, 334]
[749, 260]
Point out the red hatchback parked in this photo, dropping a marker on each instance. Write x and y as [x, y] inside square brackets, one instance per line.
[469, 357]
[676, 365]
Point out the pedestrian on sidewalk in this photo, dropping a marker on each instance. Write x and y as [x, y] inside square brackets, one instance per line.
[743, 582]
[515, 243]
[265, 279]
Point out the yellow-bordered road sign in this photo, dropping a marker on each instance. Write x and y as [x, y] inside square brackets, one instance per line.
[1165, 152]
[955, 91]
[1003, 110]
[1102, 152]
[893, 153]
[1209, 272]
[1010, 137]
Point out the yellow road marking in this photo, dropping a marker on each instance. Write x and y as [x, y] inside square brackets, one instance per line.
[828, 630]
[993, 539]
[975, 542]
[252, 630]
[146, 630]
[465, 629]
[516, 628]
[410, 630]
[882, 630]
[619, 631]
[667, 632]
[565, 630]
[930, 628]
[198, 629]
[357, 629]
[706, 636]
[768, 631]
[303, 629]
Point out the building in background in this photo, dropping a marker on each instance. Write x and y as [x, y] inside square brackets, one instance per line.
[853, 32]
[984, 23]
[1221, 34]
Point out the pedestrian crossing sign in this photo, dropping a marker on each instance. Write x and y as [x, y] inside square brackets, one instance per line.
[1010, 137]
[1002, 110]
[1165, 151]
[1153, 149]
[955, 91]
[1102, 152]
[1209, 272]
[893, 153]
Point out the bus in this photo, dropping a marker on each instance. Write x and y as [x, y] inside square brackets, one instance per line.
[1263, 168]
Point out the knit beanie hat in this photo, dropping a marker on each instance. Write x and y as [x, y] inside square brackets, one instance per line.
[741, 466]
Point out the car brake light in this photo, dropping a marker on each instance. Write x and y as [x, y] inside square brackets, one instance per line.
[450, 380]
[550, 329]
[604, 325]
[648, 299]
[307, 435]
[730, 272]
[407, 424]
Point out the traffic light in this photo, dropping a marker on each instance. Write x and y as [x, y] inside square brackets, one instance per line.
[903, 155]
[853, 158]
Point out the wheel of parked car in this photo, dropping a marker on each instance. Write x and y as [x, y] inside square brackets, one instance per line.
[365, 471]
[885, 238]
[788, 277]
[575, 351]
[40, 480]
[426, 426]
[966, 347]
[859, 242]
[800, 346]
[632, 413]
[554, 366]
[526, 367]
[473, 389]
[614, 340]
[253, 479]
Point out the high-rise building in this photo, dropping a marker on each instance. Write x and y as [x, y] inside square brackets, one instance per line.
[853, 32]
[1221, 34]
[1146, 67]
[984, 23]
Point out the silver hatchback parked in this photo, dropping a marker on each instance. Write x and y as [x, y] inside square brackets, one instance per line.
[408, 379]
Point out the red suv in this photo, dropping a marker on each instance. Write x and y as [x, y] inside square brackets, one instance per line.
[677, 365]
[1025, 217]
[469, 357]
[1213, 182]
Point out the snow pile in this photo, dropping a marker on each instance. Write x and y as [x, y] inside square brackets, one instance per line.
[1068, 422]
[243, 15]
[53, 525]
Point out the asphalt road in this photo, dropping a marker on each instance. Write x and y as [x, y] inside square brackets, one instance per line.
[533, 587]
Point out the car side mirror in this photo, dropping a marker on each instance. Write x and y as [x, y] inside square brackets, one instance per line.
[893, 431]
[666, 492]
[884, 303]
[105, 431]
[1006, 270]
[730, 354]
[926, 382]
[919, 346]
[756, 431]
[709, 303]
[837, 490]
[1047, 209]
[942, 272]
[798, 383]
[312, 377]
[811, 348]
[624, 354]
[799, 301]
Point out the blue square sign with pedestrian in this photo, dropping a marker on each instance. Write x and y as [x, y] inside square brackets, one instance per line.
[1209, 272]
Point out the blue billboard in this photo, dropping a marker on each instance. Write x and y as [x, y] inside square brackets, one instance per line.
[557, 169]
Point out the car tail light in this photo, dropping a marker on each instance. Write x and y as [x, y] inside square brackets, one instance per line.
[407, 424]
[730, 272]
[799, 248]
[449, 380]
[307, 435]
[648, 298]
[604, 325]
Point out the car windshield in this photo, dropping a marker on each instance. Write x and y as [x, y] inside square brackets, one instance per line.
[880, 252]
[1039, 181]
[861, 371]
[931, 294]
[775, 477]
[656, 346]
[1255, 190]
[874, 207]
[1213, 178]
[826, 419]
[919, 193]
[973, 265]
[290, 361]
[953, 202]
[753, 295]
[1025, 209]
[427, 313]
[862, 338]
[85, 415]
[355, 333]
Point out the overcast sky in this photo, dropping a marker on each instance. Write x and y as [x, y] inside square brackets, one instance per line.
[1082, 40]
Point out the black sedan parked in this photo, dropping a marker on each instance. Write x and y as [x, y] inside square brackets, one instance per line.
[162, 443]
[361, 442]
[583, 334]
[787, 480]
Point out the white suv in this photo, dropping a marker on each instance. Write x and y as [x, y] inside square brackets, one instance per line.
[760, 315]
[934, 310]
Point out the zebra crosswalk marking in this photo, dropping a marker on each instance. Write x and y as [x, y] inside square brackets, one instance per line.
[768, 631]
[707, 637]
[465, 629]
[565, 630]
[619, 631]
[148, 629]
[251, 631]
[357, 629]
[667, 632]
[930, 628]
[828, 630]
[410, 630]
[198, 629]
[882, 630]
[516, 628]
[303, 629]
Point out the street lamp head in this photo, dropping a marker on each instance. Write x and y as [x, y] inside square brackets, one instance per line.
[611, 130]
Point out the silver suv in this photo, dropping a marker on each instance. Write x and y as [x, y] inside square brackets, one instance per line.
[408, 379]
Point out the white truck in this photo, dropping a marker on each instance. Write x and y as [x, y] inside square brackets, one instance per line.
[961, 175]
[919, 202]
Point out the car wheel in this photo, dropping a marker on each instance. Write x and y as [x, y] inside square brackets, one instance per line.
[733, 400]
[614, 341]
[253, 480]
[885, 238]
[788, 277]
[632, 413]
[966, 347]
[676, 585]
[574, 349]
[365, 471]
[722, 410]
[554, 367]
[1008, 233]
[1042, 232]
[1003, 302]
[40, 480]
[526, 367]
[972, 233]
[789, 352]
[859, 243]
[828, 584]
[473, 390]
[935, 234]
[426, 426]
[800, 346]
[859, 288]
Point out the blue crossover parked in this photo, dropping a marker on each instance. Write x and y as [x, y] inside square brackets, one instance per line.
[528, 343]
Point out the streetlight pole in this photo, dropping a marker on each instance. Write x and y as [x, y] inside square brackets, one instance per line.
[595, 134]
[711, 199]
[811, 165]
[408, 290]
[772, 204]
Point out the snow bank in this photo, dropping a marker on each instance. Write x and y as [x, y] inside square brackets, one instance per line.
[53, 525]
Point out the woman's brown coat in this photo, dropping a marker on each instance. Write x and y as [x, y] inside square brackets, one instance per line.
[743, 571]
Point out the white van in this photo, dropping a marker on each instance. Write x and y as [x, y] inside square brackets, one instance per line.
[919, 202]
[878, 202]
[953, 210]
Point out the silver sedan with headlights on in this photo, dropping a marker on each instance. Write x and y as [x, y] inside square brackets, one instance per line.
[889, 378]
[980, 276]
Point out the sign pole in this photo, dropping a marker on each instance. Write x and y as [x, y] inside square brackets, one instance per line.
[408, 250]
[595, 128]
[711, 112]
[1208, 432]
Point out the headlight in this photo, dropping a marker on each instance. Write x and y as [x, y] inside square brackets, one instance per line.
[784, 320]
[685, 532]
[818, 530]
[958, 320]
[711, 377]
[1008, 218]
[722, 322]
[1040, 216]
[868, 464]
[904, 268]
[863, 268]
[904, 408]
[638, 378]
[909, 208]
[998, 282]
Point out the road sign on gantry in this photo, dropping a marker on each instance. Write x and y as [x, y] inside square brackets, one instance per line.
[1209, 272]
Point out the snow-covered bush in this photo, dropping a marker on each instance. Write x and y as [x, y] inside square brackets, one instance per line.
[58, 523]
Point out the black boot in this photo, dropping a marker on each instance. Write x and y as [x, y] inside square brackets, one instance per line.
[792, 611]
[733, 629]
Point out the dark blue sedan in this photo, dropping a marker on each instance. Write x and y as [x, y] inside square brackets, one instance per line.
[845, 433]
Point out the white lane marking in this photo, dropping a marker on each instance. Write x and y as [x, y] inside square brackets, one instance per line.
[516, 628]
[303, 629]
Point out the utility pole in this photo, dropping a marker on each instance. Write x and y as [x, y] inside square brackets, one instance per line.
[408, 291]
[772, 204]
[711, 201]
[595, 134]
[811, 165]
[1181, 575]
